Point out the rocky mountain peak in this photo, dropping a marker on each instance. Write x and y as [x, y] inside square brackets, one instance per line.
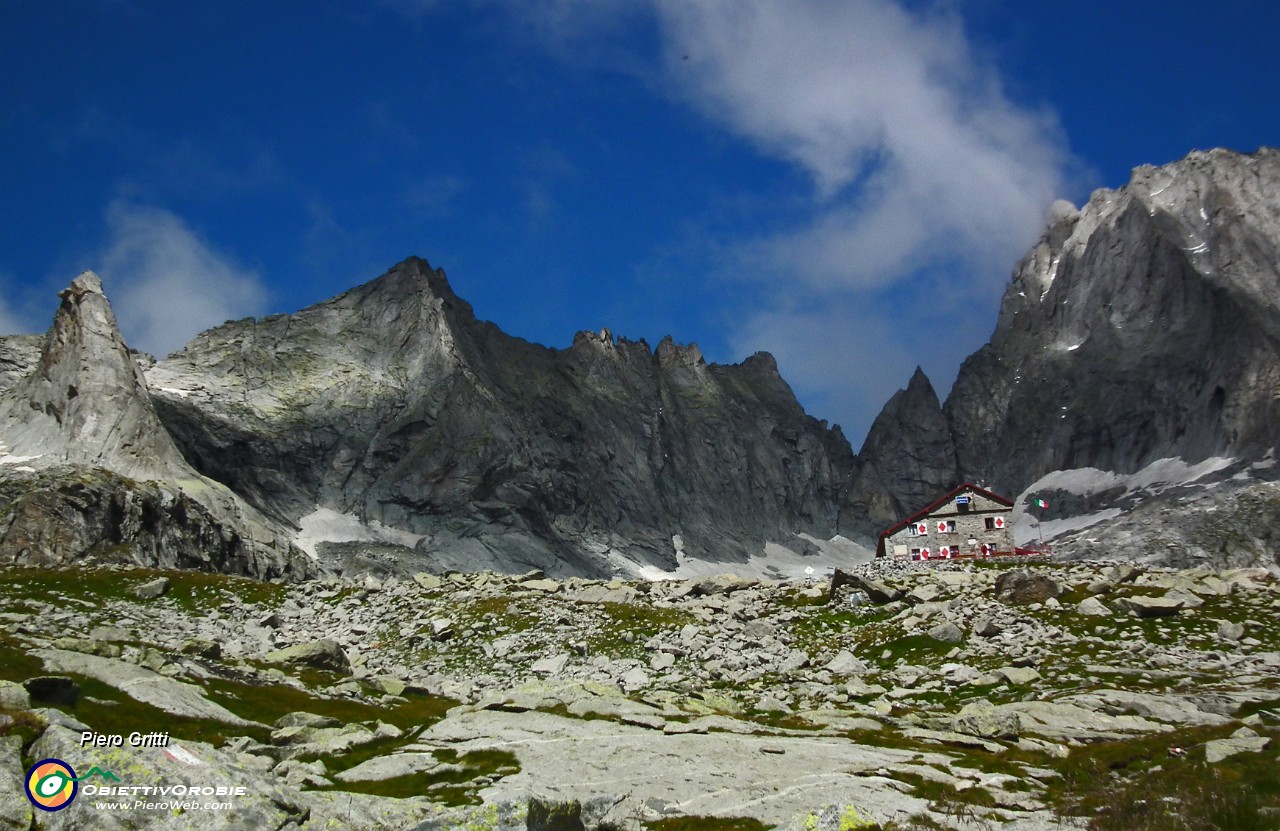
[394, 409]
[411, 278]
[907, 460]
[87, 399]
[86, 283]
[90, 468]
[1143, 326]
[672, 354]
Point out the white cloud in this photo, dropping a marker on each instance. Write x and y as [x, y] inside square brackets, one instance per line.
[166, 284]
[919, 162]
[916, 155]
[12, 323]
[16, 317]
[920, 166]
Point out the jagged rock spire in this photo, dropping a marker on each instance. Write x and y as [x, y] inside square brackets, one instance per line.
[87, 402]
[907, 461]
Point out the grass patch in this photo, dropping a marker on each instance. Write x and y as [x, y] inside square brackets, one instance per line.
[1136, 785]
[913, 649]
[640, 620]
[191, 591]
[268, 702]
[21, 723]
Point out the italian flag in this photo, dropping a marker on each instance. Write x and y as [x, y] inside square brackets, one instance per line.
[1040, 503]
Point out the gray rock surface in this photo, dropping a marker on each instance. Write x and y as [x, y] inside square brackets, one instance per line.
[1216, 750]
[92, 471]
[1140, 327]
[16, 812]
[907, 461]
[86, 400]
[1144, 606]
[393, 404]
[723, 774]
[168, 694]
[324, 653]
[19, 355]
[1094, 607]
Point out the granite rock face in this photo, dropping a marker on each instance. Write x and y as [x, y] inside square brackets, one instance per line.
[391, 407]
[1144, 326]
[86, 401]
[907, 461]
[88, 469]
[19, 355]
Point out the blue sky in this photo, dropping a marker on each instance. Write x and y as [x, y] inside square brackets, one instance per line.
[844, 184]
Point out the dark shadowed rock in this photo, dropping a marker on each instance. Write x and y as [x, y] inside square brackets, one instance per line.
[1143, 326]
[53, 689]
[1025, 586]
[907, 461]
[394, 405]
[878, 592]
[546, 815]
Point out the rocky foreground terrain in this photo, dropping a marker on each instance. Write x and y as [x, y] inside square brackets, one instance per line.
[1025, 695]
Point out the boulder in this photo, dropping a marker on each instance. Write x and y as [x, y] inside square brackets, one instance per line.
[845, 663]
[985, 627]
[982, 719]
[1144, 606]
[324, 653]
[551, 665]
[946, 632]
[305, 719]
[1229, 631]
[878, 592]
[723, 584]
[1019, 676]
[152, 589]
[1025, 586]
[14, 696]
[924, 593]
[390, 684]
[53, 689]
[1218, 749]
[1093, 607]
[202, 647]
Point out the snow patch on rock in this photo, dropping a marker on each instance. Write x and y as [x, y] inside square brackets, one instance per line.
[776, 561]
[328, 525]
[1152, 480]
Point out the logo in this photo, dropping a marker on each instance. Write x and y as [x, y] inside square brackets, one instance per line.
[52, 785]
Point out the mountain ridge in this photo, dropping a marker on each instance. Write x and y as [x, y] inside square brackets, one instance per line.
[601, 454]
[1141, 328]
[390, 422]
